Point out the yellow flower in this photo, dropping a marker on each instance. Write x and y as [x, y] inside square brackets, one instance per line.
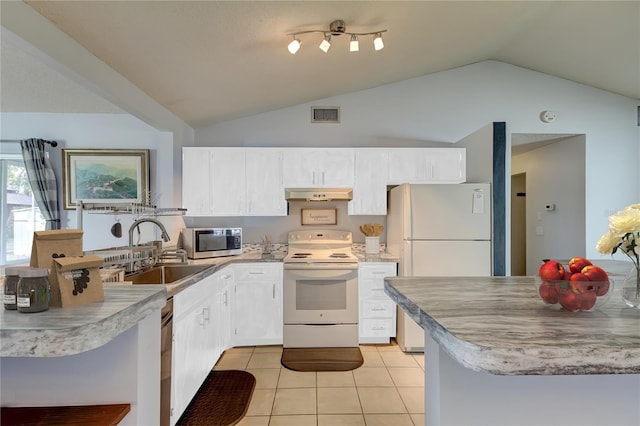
[607, 242]
[627, 220]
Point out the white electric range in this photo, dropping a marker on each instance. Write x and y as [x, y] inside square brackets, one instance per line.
[320, 290]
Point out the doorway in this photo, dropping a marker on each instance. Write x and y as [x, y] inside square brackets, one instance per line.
[518, 224]
[550, 171]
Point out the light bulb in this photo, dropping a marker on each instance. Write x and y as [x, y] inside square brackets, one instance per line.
[294, 46]
[354, 46]
[325, 45]
[378, 44]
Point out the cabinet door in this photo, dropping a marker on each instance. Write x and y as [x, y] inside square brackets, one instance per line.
[336, 168]
[265, 186]
[427, 165]
[406, 166]
[447, 165]
[318, 167]
[258, 304]
[196, 181]
[224, 299]
[192, 345]
[228, 182]
[299, 168]
[370, 184]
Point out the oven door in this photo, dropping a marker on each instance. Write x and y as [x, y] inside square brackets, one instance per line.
[320, 294]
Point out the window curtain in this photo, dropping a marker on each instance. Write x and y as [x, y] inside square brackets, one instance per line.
[42, 180]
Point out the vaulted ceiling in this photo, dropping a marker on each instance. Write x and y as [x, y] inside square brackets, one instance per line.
[210, 61]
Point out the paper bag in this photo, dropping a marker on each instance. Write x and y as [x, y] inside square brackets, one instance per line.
[77, 281]
[48, 245]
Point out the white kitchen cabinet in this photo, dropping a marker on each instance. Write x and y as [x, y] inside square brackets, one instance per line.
[427, 165]
[370, 182]
[223, 283]
[228, 182]
[196, 189]
[318, 167]
[201, 333]
[377, 323]
[264, 184]
[213, 181]
[194, 343]
[233, 182]
[257, 318]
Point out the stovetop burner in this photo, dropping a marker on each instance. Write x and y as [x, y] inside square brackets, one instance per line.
[339, 255]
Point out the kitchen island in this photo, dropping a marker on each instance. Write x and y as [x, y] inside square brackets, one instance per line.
[496, 354]
[96, 353]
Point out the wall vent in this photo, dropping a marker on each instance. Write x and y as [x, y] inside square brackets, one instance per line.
[325, 114]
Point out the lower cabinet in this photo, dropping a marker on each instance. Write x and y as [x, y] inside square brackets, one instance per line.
[377, 310]
[201, 323]
[257, 317]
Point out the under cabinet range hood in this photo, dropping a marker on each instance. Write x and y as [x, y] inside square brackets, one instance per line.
[318, 194]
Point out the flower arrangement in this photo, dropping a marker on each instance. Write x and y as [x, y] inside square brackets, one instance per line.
[624, 235]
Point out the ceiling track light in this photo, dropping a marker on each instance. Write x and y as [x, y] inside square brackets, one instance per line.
[325, 45]
[354, 45]
[337, 28]
[294, 45]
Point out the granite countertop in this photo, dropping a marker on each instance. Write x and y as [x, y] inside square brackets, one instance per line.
[68, 331]
[499, 325]
[72, 330]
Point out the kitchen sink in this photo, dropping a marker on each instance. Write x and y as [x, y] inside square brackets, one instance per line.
[165, 274]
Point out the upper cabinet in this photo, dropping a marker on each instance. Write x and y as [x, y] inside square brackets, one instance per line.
[370, 183]
[265, 186]
[251, 181]
[232, 182]
[228, 182]
[196, 178]
[427, 165]
[318, 167]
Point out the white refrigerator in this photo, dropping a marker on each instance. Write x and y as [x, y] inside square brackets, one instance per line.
[438, 230]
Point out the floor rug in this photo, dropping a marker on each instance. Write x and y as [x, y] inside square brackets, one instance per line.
[321, 359]
[222, 400]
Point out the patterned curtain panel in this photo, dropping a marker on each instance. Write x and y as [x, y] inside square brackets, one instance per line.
[42, 180]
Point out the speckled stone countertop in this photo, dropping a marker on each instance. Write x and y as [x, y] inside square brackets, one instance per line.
[499, 325]
[72, 330]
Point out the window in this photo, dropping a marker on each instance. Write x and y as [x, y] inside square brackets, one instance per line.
[19, 212]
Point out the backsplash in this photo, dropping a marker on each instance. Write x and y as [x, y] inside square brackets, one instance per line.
[356, 248]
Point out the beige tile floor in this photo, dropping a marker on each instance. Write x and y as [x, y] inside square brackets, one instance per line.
[388, 389]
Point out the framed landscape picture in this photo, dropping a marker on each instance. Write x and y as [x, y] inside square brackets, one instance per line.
[104, 176]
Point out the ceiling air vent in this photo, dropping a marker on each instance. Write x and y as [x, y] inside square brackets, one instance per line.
[325, 114]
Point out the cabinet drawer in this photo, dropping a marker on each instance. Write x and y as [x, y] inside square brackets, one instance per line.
[377, 309]
[377, 272]
[377, 328]
[373, 291]
[258, 272]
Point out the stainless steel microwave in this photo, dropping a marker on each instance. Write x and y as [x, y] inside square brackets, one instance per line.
[200, 243]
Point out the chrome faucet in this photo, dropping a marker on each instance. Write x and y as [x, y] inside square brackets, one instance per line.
[134, 225]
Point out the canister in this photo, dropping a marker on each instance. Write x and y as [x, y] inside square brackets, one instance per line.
[33, 292]
[11, 279]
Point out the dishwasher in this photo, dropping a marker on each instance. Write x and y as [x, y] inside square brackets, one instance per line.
[166, 337]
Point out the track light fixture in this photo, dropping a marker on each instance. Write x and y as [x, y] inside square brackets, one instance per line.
[337, 28]
[354, 45]
[325, 45]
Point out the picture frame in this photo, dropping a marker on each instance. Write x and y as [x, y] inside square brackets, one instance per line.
[319, 216]
[88, 175]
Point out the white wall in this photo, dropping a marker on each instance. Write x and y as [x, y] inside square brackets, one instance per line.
[448, 106]
[554, 174]
[102, 131]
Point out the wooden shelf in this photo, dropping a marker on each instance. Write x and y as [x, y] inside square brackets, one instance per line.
[85, 415]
